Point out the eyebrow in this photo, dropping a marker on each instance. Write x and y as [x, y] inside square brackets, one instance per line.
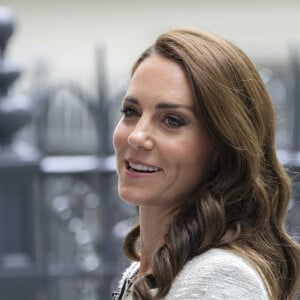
[162, 105]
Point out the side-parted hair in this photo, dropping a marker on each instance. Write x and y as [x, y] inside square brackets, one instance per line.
[241, 203]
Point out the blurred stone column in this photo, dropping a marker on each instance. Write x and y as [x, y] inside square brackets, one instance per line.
[19, 210]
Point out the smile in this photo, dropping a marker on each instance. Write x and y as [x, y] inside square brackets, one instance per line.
[137, 167]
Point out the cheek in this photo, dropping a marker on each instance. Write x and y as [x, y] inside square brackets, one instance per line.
[119, 137]
[196, 155]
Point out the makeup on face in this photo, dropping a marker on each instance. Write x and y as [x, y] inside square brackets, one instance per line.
[161, 148]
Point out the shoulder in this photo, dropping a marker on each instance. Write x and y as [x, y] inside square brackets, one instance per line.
[218, 274]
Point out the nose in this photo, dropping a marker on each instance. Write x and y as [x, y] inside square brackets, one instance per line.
[141, 137]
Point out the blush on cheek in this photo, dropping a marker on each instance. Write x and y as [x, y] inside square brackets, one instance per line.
[117, 137]
[120, 135]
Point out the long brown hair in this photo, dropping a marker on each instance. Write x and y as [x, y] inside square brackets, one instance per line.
[242, 203]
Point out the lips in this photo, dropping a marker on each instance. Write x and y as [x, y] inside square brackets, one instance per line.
[141, 167]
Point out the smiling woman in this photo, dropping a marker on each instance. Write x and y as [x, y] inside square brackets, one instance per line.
[161, 147]
[195, 152]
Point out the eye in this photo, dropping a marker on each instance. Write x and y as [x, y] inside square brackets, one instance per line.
[174, 121]
[129, 112]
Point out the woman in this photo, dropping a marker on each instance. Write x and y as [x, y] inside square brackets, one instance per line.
[195, 153]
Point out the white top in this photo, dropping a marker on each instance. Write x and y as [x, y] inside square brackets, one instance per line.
[216, 274]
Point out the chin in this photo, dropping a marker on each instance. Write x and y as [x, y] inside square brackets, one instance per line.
[133, 198]
[128, 197]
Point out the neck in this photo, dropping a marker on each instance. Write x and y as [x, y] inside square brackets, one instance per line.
[153, 227]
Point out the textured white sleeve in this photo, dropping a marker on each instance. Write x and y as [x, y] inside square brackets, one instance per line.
[218, 275]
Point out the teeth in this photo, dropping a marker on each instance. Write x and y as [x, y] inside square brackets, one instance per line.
[142, 167]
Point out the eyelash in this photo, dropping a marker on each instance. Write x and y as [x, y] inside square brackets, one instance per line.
[179, 122]
[125, 111]
[168, 120]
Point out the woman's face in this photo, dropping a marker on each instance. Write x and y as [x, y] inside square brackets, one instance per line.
[161, 148]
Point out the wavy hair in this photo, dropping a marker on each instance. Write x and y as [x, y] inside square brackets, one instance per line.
[242, 202]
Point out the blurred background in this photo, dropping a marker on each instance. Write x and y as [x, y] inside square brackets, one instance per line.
[64, 67]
